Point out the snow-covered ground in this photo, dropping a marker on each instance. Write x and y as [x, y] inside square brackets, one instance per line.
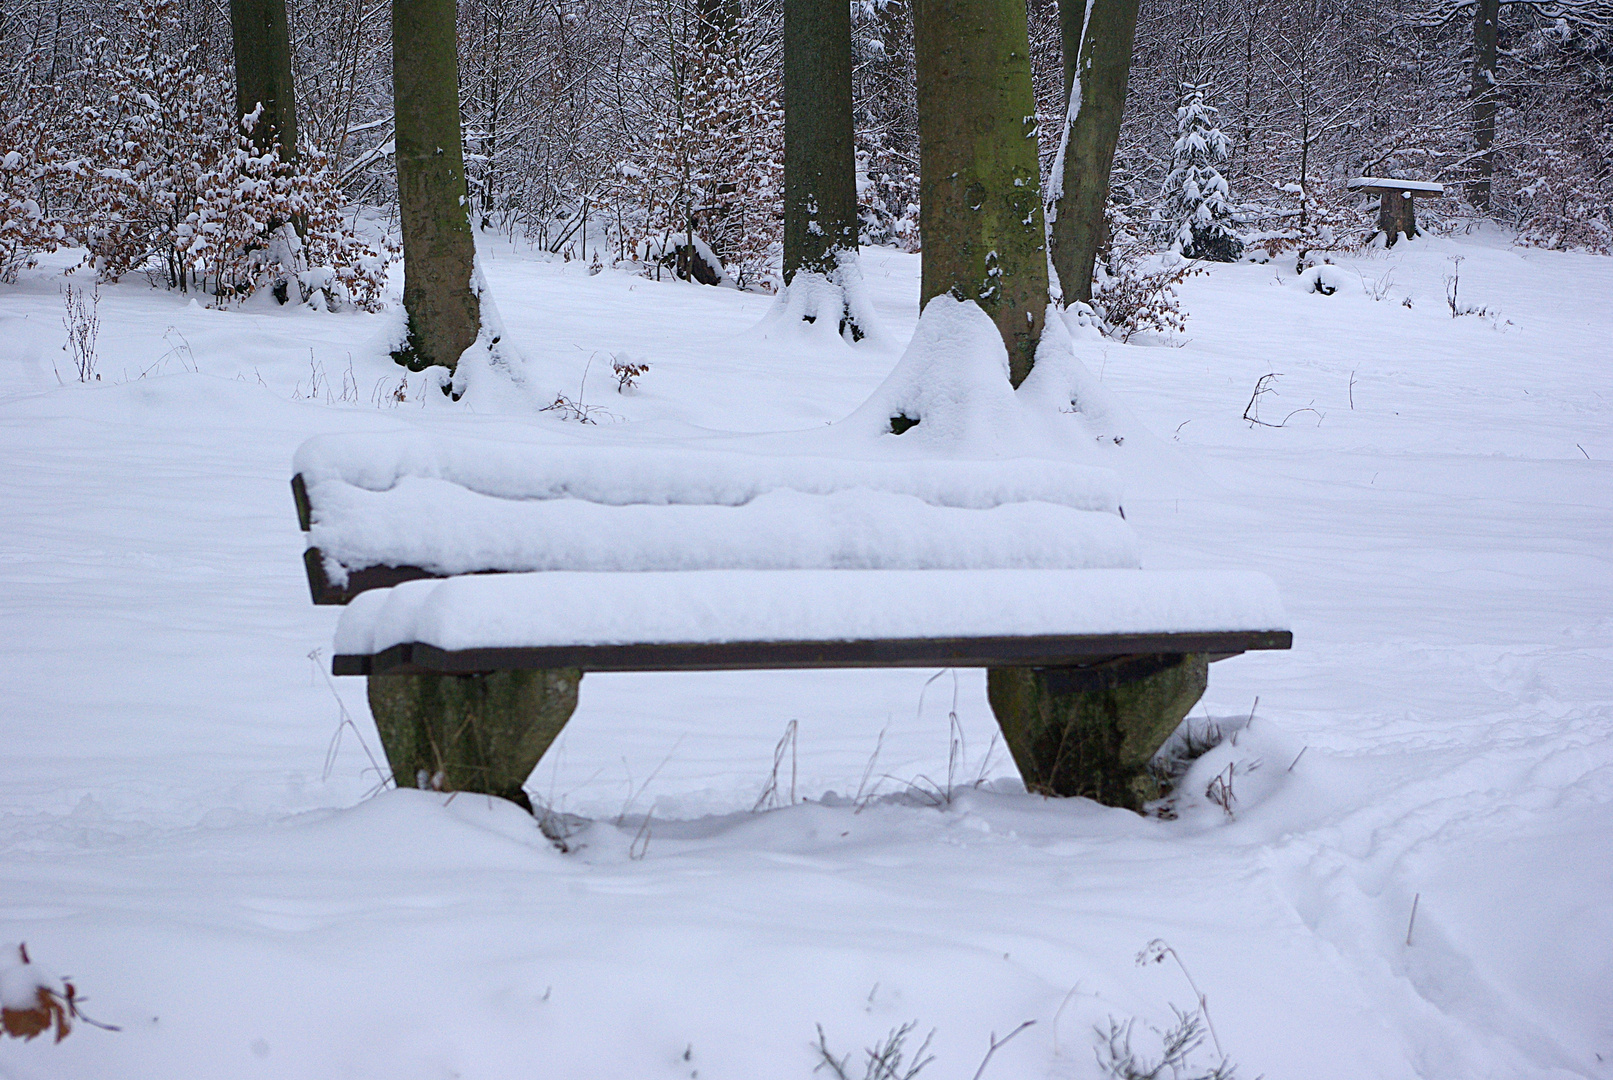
[189, 828]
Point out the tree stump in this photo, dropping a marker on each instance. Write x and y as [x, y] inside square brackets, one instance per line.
[1092, 730]
[481, 733]
[1396, 218]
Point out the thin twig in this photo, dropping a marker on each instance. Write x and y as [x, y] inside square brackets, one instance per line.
[1156, 951]
[345, 722]
[995, 1043]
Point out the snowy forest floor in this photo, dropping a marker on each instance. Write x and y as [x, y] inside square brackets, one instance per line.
[174, 834]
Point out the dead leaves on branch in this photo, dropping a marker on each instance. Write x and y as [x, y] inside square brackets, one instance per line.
[30, 1005]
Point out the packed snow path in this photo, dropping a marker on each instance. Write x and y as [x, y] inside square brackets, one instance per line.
[175, 838]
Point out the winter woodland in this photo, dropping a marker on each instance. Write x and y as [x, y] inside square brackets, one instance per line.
[598, 128]
[1384, 853]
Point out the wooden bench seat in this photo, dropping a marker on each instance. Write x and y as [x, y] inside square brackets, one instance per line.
[750, 619]
[482, 581]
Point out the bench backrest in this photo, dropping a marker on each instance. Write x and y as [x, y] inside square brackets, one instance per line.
[380, 510]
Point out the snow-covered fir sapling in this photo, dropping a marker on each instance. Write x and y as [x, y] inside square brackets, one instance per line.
[1197, 198]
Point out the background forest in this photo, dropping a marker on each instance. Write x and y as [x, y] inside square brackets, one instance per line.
[619, 121]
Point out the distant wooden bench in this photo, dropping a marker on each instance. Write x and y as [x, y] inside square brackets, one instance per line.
[482, 580]
[1396, 215]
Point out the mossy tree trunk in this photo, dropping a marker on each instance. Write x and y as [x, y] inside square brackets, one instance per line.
[1073, 731]
[1097, 42]
[718, 20]
[820, 166]
[263, 74]
[481, 733]
[980, 204]
[439, 252]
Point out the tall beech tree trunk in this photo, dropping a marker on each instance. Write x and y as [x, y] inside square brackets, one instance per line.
[980, 204]
[820, 166]
[1072, 731]
[439, 252]
[1486, 17]
[263, 74]
[1097, 39]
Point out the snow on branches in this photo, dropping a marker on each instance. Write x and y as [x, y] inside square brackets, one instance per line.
[1196, 195]
[29, 158]
[712, 170]
[159, 178]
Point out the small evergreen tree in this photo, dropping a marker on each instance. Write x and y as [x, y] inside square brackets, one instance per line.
[1196, 194]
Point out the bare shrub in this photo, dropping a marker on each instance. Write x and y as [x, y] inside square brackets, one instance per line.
[627, 372]
[1136, 292]
[886, 1060]
[1120, 1060]
[83, 325]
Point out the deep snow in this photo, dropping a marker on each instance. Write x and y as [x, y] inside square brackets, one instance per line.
[173, 835]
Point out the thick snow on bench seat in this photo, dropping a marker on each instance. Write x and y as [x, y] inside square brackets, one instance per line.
[562, 608]
[658, 475]
[445, 529]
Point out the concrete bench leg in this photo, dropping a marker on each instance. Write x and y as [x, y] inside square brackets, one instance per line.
[1092, 730]
[481, 733]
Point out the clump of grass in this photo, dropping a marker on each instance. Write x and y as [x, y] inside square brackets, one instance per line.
[886, 1060]
[1120, 1060]
[889, 1060]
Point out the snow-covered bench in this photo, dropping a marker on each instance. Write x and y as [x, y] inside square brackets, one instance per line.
[483, 578]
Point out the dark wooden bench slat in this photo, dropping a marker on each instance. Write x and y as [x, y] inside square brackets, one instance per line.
[326, 592]
[305, 510]
[419, 658]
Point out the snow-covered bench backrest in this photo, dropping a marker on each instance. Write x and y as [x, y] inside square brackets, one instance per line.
[380, 509]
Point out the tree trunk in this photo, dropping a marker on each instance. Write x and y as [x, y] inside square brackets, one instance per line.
[1396, 217]
[439, 252]
[1486, 17]
[820, 167]
[263, 74]
[980, 206]
[1097, 61]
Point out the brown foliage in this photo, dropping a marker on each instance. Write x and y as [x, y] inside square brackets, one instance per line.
[52, 1009]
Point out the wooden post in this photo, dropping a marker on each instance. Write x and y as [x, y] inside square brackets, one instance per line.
[1396, 217]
